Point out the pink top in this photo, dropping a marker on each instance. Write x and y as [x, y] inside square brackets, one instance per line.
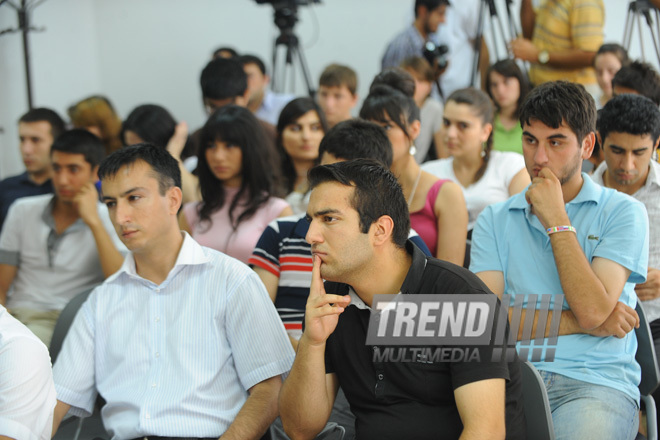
[220, 235]
[425, 222]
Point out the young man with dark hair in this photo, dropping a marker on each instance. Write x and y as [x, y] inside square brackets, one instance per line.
[337, 93]
[182, 342]
[629, 131]
[638, 78]
[223, 81]
[265, 104]
[359, 225]
[37, 129]
[567, 235]
[55, 246]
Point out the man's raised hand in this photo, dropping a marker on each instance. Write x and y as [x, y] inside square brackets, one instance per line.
[547, 199]
[322, 310]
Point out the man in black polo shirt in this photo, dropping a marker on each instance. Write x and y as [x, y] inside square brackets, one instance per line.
[358, 232]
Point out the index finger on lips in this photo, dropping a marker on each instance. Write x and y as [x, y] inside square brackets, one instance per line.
[317, 282]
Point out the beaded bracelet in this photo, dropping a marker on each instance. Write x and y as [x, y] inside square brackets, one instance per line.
[556, 229]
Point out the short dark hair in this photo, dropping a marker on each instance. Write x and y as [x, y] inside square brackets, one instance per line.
[429, 4]
[356, 139]
[253, 59]
[561, 102]
[57, 125]
[377, 193]
[229, 50]
[165, 167]
[80, 141]
[223, 78]
[153, 123]
[640, 77]
[632, 114]
[337, 75]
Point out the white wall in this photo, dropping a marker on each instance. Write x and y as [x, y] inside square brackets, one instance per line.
[153, 50]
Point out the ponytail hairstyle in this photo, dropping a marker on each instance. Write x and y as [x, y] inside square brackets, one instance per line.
[391, 95]
[482, 107]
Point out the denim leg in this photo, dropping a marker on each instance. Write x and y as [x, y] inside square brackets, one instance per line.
[586, 411]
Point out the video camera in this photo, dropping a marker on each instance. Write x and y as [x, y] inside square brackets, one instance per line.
[436, 55]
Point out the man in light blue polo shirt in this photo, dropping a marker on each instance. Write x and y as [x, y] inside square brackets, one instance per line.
[567, 235]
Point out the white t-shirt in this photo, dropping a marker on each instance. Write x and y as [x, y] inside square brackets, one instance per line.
[493, 187]
[27, 391]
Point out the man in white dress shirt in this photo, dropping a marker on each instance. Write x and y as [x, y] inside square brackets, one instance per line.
[183, 341]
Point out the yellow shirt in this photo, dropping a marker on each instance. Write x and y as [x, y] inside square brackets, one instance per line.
[564, 25]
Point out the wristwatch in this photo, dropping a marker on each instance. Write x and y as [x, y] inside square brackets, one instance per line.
[544, 57]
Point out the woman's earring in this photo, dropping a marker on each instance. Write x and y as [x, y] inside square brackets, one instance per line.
[483, 149]
[413, 150]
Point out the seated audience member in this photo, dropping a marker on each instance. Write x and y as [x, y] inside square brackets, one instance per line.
[638, 78]
[485, 176]
[430, 110]
[337, 93]
[437, 207]
[567, 235]
[507, 86]
[282, 257]
[27, 392]
[154, 124]
[183, 340]
[629, 132]
[53, 247]
[237, 184]
[97, 115]
[364, 252]
[225, 52]
[36, 129]
[265, 104]
[299, 132]
[223, 82]
[610, 58]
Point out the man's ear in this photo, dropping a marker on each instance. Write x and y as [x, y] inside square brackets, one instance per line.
[174, 198]
[95, 174]
[355, 100]
[243, 99]
[382, 230]
[588, 145]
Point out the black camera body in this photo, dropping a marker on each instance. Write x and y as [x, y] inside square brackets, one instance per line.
[436, 55]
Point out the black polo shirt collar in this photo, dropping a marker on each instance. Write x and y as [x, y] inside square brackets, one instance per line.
[413, 281]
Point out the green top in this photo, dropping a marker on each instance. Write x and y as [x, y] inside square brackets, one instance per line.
[505, 139]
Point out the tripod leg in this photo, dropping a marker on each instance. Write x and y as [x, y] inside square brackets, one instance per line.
[641, 38]
[305, 70]
[627, 29]
[477, 45]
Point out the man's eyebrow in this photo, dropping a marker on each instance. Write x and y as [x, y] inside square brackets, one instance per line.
[326, 212]
[528, 134]
[558, 136]
[125, 193]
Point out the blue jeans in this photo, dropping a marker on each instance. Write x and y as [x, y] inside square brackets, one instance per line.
[585, 411]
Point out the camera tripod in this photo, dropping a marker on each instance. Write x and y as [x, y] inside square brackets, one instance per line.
[506, 33]
[285, 20]
[637, 9]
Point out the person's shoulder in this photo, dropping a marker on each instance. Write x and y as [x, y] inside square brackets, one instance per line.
[456, 279]
[11, 180]
[15, 337]
[29, 203]
[437, 166]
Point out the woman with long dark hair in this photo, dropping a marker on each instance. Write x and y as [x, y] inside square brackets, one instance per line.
[237, 182]
[507, 86]
[300, 128]
[437, 208]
